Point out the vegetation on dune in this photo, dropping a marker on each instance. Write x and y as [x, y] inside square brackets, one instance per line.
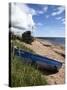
[20, 45]
[23, 74]
[26, 37]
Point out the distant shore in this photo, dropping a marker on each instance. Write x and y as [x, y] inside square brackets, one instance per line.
[51, 40]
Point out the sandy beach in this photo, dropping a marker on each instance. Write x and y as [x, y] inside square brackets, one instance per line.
[52, 51]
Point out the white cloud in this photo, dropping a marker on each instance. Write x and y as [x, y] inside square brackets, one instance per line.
[45, 8]
[21, 17]
[58, 12]
[18, 16]
[40, 12]
[27, 9]
[63, 21]
[39, 24]
[33, 12]
[58, 18]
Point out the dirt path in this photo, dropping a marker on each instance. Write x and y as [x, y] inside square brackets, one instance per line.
[54, 52]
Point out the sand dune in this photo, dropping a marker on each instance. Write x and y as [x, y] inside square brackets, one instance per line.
[47, 49]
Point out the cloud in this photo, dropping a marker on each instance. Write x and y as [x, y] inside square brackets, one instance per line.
[26, 8]
[22, 17]
[45, 8]
[33, 11]
[40, 12]
[58, 11]
[39, 24]
[63, 21]
[18, 16]
[58, 18]
[36, 12]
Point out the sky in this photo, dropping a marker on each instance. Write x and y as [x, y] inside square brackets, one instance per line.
[42, 19]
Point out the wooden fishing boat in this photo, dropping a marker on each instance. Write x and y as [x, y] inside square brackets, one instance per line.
[41, 61]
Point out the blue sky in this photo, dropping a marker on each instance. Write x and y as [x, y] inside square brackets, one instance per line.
[49, 20]
[46, 20]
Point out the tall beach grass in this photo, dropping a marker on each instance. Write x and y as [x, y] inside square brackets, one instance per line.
[25, 74]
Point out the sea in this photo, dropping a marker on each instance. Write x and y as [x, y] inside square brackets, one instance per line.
[54, 40]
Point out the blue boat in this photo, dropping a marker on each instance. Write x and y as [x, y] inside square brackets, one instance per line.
[41, 61]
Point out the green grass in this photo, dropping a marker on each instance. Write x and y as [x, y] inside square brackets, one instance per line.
[21, 45]
[25, 74]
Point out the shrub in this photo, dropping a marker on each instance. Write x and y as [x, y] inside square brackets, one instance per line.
[26, 37]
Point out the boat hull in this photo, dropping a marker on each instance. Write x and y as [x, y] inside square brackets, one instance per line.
[41, 61]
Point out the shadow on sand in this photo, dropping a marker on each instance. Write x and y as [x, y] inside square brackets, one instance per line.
[47, 72]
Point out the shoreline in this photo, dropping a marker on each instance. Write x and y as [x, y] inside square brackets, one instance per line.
[49, 42]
